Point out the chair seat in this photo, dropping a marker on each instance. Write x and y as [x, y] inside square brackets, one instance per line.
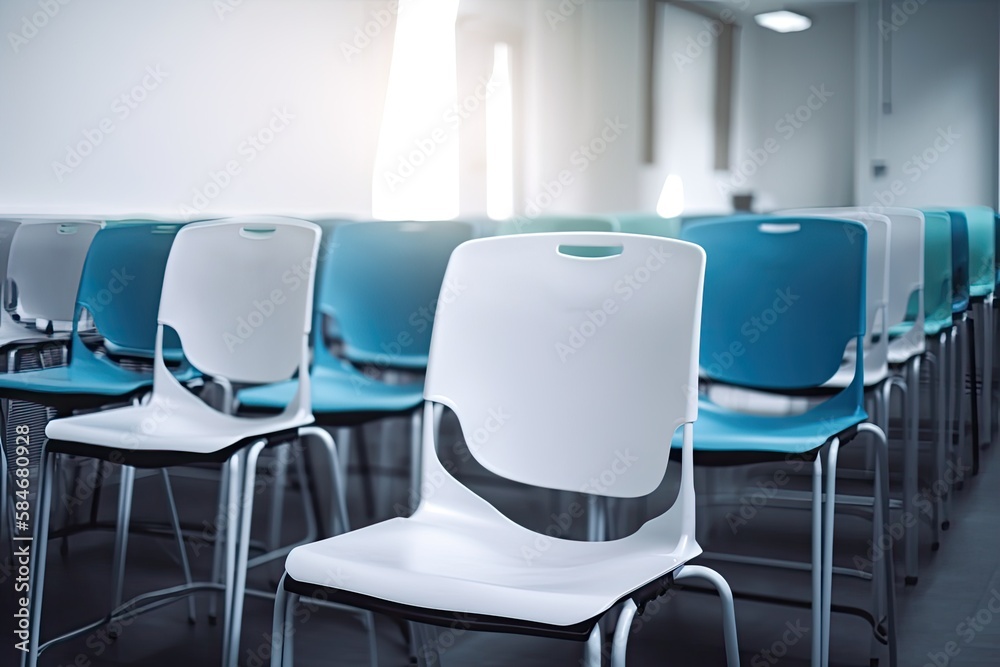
[722, 430]
[932, 327]
[87, 376]
[902, 349]
[337, 390]
[167, 425]
[486, 565]
[845, 374]
[980, 291]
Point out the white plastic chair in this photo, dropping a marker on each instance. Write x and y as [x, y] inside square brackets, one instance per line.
[253, 329]
[573, 413]
[40, 266]
[43, 272]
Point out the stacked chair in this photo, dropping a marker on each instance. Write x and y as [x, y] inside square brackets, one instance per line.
[759, 340]
[171, 425]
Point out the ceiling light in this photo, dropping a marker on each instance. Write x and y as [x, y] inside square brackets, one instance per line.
[783, 21]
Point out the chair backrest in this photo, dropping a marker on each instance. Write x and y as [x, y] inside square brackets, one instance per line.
[938, 271]
[46, 262]
[996, 240]
[959, 261]
[122, 280]
[783, 298]
[906, 265]
[239, 293]
[982, 244]
[7, 229]
[381, 281]
[557, 223]
[649, 224]
[561, 367]
[880, 234]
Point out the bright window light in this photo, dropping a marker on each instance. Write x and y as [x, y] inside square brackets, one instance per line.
[500, 138]
[416, 162]
[671, 203]
[783, 21]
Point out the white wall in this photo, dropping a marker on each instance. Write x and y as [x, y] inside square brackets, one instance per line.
[806, 155]
[939, 143]
[226, 67]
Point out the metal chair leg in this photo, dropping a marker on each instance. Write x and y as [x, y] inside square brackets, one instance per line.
[416, 427]
[282, 629]
[121, 535]
[181, 546]
[829, 514]
[339, 519]
[879, 531]
[242, 543]
[218, 548]
[817, 561]
[277, 509]
[911, 471]
[592, 652]
[230, 521]
[728, 610]
[40, 543]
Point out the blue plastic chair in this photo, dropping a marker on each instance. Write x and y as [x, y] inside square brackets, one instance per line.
[380, 282]
[120, 290]
[783, 297]
[955, 356]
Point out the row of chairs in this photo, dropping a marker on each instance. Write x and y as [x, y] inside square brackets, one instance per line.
[236, 344]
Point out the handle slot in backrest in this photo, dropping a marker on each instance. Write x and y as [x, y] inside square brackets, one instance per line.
[590, 251]
[66, 229]
[257, 233]
[778, 227]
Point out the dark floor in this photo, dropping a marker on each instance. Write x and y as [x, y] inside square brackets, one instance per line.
[957, 583]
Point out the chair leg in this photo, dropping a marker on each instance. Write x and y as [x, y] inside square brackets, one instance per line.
[218, 549]
[416, 424]
[886, 580]
[230, 522]
[368, 620]
[817, 561]
[121, 535]
[277, 508]
[944, 425]
[829, 514]
[339, 521]
[181, 546]
[367, 485]
[728, 607]
[40, 542]
[973, 393]
[620, 643]
[242, 543]
[592, 651]
[281, 629]
[911, 471]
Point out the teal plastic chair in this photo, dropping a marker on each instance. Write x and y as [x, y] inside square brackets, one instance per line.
[120, 292]
[982, 250]
[960, 258]
[783, 297]
[649, 224]
[982, 263]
